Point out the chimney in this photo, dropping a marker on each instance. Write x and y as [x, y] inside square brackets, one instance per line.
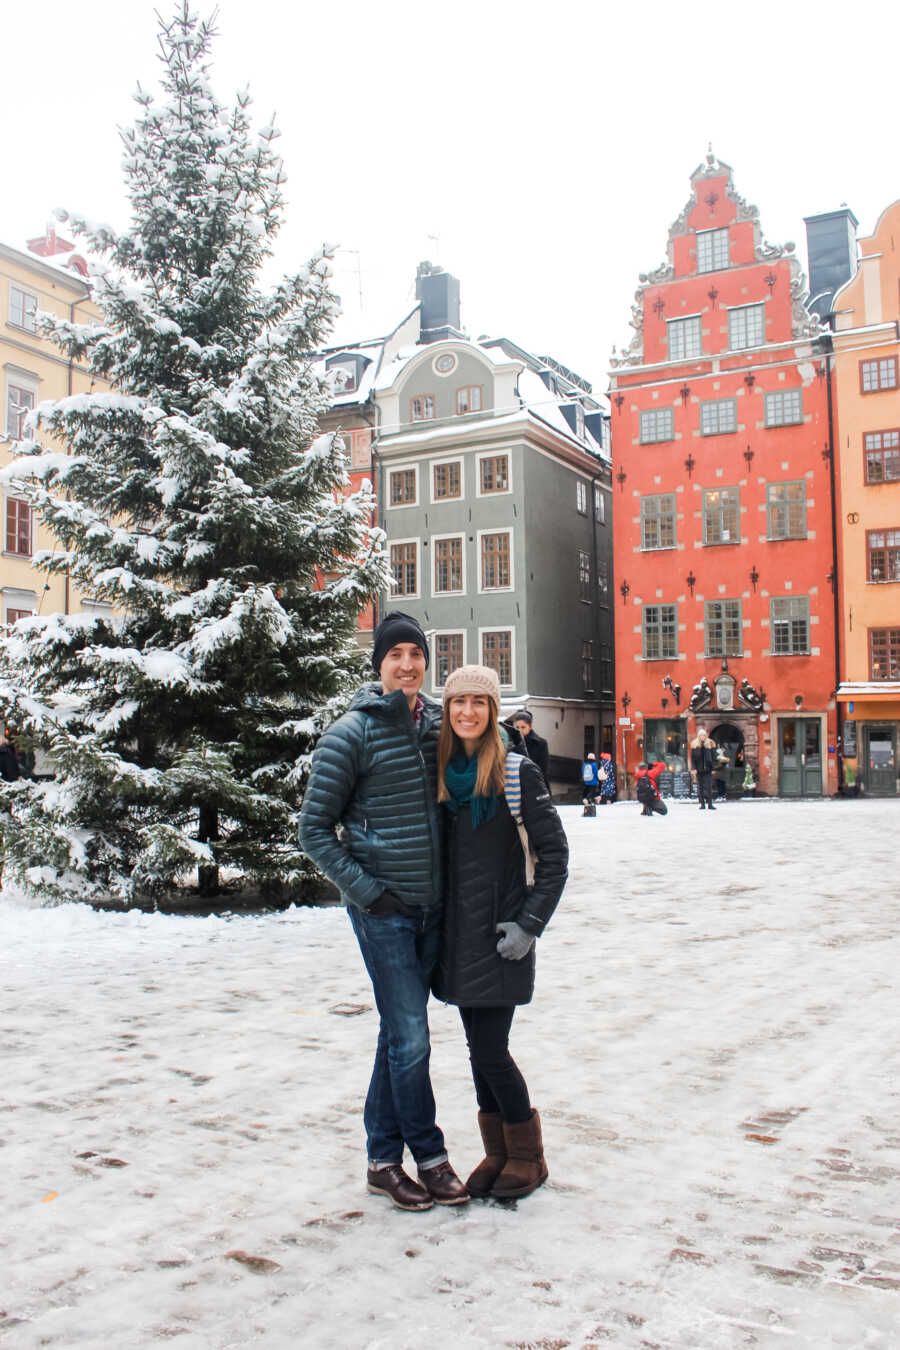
[438, 295]
[831, 248]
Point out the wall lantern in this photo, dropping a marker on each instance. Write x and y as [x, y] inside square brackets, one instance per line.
[798, 701]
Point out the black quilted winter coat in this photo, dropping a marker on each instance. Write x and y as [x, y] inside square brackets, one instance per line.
[373, 775]
[485, 883]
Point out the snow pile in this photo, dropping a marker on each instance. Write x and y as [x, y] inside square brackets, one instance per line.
[712, 1048]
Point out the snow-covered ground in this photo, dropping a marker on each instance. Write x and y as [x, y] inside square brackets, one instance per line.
[713, 1048]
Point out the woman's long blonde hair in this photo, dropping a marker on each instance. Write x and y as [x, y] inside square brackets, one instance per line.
[491, 775]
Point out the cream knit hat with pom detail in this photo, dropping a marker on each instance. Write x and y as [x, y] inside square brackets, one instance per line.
[473, 680]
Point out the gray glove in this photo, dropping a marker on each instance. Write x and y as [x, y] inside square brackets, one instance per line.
[515, 942]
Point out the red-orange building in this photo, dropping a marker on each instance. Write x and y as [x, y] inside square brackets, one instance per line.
[723, 533]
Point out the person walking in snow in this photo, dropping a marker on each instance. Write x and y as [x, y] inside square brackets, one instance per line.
[607, 779]
[590, 782]
[646, 784]
[703, 763]
[492, 916]
[373, 776]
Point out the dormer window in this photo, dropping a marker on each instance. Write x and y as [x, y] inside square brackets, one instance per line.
[344, 372]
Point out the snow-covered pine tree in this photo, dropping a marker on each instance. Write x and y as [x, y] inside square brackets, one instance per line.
[198, 500]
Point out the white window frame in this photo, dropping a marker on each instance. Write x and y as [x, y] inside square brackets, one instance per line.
[20, 379]
[771, 401]
[32, 521]
[500, 628]
[445, 632]
[738, 309]
[24, 602]
[581, 496]
[406, 595]
[712, 235]
[685, 319]
[718, 404]
[26, 295]
[599, 505]
[653, 416]
[494, 454]
[402, 468]
[436, 539]
[438, 463]
[496, 590]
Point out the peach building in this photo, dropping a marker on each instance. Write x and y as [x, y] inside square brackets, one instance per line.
[51, 277]
[867, 444]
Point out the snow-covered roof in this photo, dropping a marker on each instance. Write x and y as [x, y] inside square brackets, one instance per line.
[868, 689]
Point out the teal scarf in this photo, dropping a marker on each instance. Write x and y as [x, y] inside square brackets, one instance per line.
[460, 775]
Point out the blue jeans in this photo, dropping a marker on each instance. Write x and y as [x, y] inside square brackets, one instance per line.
[400, 953]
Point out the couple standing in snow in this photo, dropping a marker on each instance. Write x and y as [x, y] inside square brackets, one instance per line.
[431, 864]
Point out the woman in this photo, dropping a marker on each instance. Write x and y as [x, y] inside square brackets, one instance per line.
[590, 781]
[491, 918]
[703, 762]
[607, 779]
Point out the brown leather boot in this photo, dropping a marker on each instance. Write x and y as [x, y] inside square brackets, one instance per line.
[525, 1168]
[400, 1189]
[490, 1123]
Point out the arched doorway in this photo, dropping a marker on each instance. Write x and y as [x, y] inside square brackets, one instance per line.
[729, 741]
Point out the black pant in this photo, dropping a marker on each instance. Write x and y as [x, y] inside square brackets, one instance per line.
[658, 806]
[499, 1086]
[704, 788]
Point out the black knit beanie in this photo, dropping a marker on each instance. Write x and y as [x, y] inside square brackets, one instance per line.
[396, 628]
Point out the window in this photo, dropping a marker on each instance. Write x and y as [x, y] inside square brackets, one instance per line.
[421, 409]
[659, 626]
[468, 399]
[721, 516]
[587, 666]
[599, 506]
[22, 309]
[879, 374]
[882, 450]
[664, 739]
[581, 495]
[786, 510]
[747, 326]
[784, 408]
[884, 653]
[719, 414]
[657, 424]
[14, 615]
[448, 565]
[723, 628]
[446, 481]
[19, 403]
[358, 443]
[496, 652]
[494, 473]
[789, 623]
[606, 676]
[495, 561]
[658, 521]
[685, 338]
[883, 555]
[449, 655]
[403, 491]
[18, 527]
[712, 250]
[405, 567]
[603, 581]
[584, 576]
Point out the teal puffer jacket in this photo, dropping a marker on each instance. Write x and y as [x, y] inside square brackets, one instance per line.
[374, 774]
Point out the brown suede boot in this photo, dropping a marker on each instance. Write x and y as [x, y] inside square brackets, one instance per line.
[490, 1123]
[525, 1168]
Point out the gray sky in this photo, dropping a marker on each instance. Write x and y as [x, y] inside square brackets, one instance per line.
[537, 151]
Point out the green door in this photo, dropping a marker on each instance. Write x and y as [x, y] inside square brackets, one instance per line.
[800, 757]
[880, 772]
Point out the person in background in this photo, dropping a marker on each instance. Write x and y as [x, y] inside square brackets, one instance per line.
[536, 747]
[607, 779]
[9, 760]
[590, 784]
[646, 781]
[492, 916]
[373, 775]
[703, 762]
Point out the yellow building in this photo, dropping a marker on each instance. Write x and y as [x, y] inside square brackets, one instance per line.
[52, 277]
[867, 444]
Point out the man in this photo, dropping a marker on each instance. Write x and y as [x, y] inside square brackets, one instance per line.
[536, 747]
[374, 775]
[703, 762]
[646, 784]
